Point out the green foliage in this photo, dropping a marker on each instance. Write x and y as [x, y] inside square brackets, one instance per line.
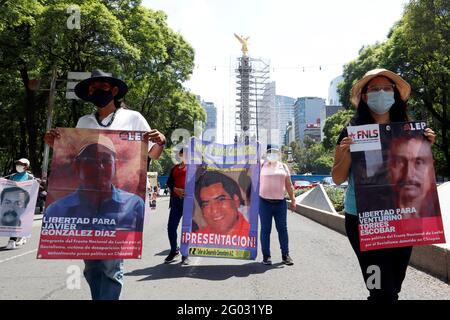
[298, 192]
[311, 157]
[336, 196]
[164, 164]
[333, 127]
[368, 59]
[121, 37]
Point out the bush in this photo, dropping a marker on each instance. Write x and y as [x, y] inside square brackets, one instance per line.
[336, 196]
[298, 192]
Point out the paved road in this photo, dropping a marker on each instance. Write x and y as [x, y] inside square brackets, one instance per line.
[325, 268]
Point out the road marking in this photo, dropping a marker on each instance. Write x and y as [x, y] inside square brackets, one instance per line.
[18, 256]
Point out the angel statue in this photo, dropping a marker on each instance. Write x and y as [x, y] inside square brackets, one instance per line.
[243, 41]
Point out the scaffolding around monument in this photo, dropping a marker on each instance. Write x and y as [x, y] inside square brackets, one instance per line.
[252, 78]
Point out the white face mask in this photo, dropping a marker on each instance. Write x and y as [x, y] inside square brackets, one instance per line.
[272, 157]
[20, 169]
[380, 102]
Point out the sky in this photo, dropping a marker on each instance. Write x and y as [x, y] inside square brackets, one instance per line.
[306, 42]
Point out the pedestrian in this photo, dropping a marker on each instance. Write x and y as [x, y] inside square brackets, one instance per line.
[176, 184]
[380, 97]
[275, 180]
[105, 277]
[22, 174]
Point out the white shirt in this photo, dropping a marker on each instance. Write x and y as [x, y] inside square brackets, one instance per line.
[125, 119]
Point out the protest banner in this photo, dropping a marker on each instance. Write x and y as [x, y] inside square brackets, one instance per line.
[221, 204]
[152, 190]
[395, 186]
[95, 203]
[17, 207]
[151, 195]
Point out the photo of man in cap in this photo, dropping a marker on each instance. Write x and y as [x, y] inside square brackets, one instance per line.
[95, 167]
[105, 277]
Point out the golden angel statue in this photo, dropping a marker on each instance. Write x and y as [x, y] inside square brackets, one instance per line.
[243, 41]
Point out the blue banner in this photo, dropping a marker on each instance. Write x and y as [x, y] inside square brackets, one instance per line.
[220, 216]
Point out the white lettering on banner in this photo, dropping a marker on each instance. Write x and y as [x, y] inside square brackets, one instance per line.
[413, 126]
[78, 233]
[218, 239]
[66, 220]
[369, 217]
[103, 221]
[376, 228]
[406, 210]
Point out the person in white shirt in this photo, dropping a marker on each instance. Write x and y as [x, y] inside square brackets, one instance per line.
[105, 277]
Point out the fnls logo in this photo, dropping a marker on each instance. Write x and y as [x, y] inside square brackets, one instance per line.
[365, 134]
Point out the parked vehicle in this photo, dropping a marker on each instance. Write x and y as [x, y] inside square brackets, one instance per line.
[303, 184]
[328, 181]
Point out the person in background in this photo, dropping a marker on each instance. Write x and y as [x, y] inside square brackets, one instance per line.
[275, 180]
[21, 174]
[379, 97]
[176, 182]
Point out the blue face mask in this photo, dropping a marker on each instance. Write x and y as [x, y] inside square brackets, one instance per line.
[380, 102]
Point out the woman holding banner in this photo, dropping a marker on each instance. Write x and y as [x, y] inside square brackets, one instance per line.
[380, 98]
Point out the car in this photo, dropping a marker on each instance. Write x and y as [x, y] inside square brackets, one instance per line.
[303, 184]
[328, 181]
[315, 183]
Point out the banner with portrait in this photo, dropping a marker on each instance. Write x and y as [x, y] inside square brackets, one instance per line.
[17, 207]
[221, 204]
[395, 186]
[153, 189]
[96, 193]
[151, 195]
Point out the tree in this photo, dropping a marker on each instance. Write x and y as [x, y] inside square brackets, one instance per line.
[164, 164]
[19, 103]
[417, 48]
[333, 127]
[311, 157]
[117, 36]
[368, 59]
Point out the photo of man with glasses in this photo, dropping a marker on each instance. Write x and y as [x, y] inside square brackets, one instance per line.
[220, 200]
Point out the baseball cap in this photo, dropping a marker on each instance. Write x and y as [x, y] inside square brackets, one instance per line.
[96, 139]
[23, 161]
